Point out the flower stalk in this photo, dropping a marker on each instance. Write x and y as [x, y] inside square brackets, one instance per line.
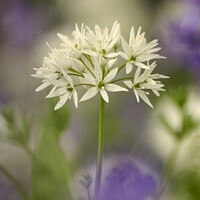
[100, 151]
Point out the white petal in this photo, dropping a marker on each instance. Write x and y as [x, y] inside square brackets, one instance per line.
[156, 93]
[129, 67]
[62, 37]
[137, 95]
[117, 31]
[98, 31]
[110, 76]
[144, 98]
[57, 82]
[68, 78]
[132, 36]
[125, 46]
[90, 52]
[112, 55]
[110, 46]
[129, 84]
[37, 75]
[62, 101]
[52, 91]
[147, 57]
[138, 33]
[141, 65]
[114, 88]
[111, 63]
[137, 74]
[113, 28]
[89, 94]
[104, 95]
[123, 55]
[58, 92]
[98, 71]
[158, 76]
[75, 97]
[90, 79]
[42, 86]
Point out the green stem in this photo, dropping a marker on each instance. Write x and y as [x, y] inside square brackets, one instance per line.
[100, 151]
[169, 169]
[73, 70]
[121, 79]
[89, 59]
[121, 67]
[87, 67]
[71, 74]
[17, 184]
[81, 84]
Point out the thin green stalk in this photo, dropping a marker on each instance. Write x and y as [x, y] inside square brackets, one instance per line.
[89, 59]
[73, 70]
[17, 184]
[100, 151]
[87, 67]
[121, 67]
[81, 84]
[71, 74]
[169, 169]
[121, 79]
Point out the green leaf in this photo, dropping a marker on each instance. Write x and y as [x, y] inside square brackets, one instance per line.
[50, 177]
[57, 121]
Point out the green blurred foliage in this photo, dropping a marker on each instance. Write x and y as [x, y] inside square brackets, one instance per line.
[50, 177]
[18, 127]
[185, 186]
[56, 121]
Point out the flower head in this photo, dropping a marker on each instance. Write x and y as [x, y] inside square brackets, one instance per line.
[138, 51]
[89, 60]
[102, 41]
[100, 82]
[146, 81]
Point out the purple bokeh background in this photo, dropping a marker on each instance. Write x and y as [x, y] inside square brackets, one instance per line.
[182, 36]
[128, 182]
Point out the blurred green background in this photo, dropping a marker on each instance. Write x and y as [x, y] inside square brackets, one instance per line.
[46, 150]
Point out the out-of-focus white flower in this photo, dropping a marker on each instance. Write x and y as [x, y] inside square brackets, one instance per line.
[146, 81]
[89, 60]
[138, 50]
[171, 125]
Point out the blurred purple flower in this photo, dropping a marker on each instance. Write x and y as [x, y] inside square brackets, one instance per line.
[183, 36]
[20, 22]
[8, 192]
[128, 182]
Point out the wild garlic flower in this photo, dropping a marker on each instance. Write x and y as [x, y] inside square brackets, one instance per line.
[101, 83]
[146, 81]
[138, 51]
[101, 41]
[90, 60]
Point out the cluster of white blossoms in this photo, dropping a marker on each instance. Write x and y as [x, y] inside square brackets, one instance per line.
[91, 60]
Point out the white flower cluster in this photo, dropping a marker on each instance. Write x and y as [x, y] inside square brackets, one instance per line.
[90, 60]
